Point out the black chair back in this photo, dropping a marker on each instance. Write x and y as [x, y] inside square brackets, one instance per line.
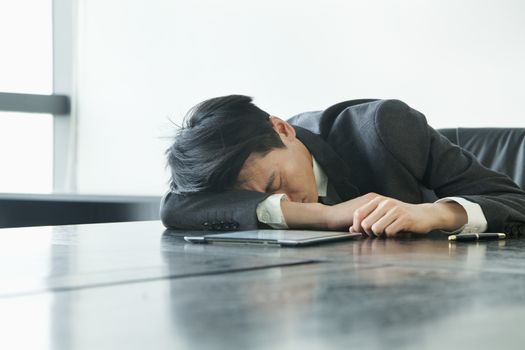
[500, 149]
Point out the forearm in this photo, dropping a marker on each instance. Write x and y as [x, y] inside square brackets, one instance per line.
[504, 212]
[305, 215]
[323, 217]
[211, 211]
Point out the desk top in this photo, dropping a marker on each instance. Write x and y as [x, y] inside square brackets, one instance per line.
[134, 285]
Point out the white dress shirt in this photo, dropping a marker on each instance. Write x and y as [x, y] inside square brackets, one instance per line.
[269, 211]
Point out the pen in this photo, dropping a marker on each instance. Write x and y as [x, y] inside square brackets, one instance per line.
[468, 237]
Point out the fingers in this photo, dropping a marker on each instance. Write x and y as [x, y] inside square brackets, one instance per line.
[362, 213]
[393, 229]
[379, 216]
[383, 223]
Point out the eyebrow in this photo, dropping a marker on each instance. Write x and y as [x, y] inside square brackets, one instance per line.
[269, 182]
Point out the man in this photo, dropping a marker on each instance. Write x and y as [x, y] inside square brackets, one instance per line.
[370, 166]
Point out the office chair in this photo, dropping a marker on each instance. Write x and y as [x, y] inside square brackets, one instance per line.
[500, 149]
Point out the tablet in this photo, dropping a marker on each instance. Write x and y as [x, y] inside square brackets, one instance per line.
[289, 238]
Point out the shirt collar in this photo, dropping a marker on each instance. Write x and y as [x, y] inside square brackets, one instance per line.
[321, 180]
[337, 170]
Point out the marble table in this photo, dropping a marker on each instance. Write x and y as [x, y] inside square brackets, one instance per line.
[137, 286]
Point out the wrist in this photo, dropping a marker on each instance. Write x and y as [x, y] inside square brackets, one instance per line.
[450, 216]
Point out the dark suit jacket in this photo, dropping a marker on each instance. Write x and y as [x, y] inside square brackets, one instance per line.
[381, 146]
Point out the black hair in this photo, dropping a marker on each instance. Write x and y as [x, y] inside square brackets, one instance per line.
[216, 138]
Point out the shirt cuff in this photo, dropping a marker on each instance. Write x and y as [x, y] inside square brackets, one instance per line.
[476, 221]
[269, 211]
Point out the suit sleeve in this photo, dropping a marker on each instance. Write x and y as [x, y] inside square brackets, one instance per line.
[231, 210]
[449, 170]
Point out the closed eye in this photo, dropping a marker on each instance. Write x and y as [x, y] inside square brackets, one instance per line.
[269, 183]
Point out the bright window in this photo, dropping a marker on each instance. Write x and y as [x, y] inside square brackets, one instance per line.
[26, 152]
[26, 140]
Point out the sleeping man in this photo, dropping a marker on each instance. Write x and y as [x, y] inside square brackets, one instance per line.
[369, 166]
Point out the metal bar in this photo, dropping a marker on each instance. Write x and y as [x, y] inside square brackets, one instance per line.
[64, 137]
[30, 103]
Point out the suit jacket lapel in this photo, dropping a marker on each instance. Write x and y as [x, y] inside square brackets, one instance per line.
[337, 171]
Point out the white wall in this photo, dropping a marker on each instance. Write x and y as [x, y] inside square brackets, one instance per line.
[140, 62]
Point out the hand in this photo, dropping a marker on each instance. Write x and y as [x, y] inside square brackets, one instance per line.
[341, 216]
[374, 214]
[384, 215]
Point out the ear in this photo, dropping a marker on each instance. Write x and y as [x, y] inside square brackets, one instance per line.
[283, 128]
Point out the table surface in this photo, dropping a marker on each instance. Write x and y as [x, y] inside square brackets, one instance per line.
[136, 285]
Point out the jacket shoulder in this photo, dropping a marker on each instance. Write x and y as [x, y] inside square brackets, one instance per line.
[320, 122]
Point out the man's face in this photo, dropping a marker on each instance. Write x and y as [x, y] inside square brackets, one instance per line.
[283, 170]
